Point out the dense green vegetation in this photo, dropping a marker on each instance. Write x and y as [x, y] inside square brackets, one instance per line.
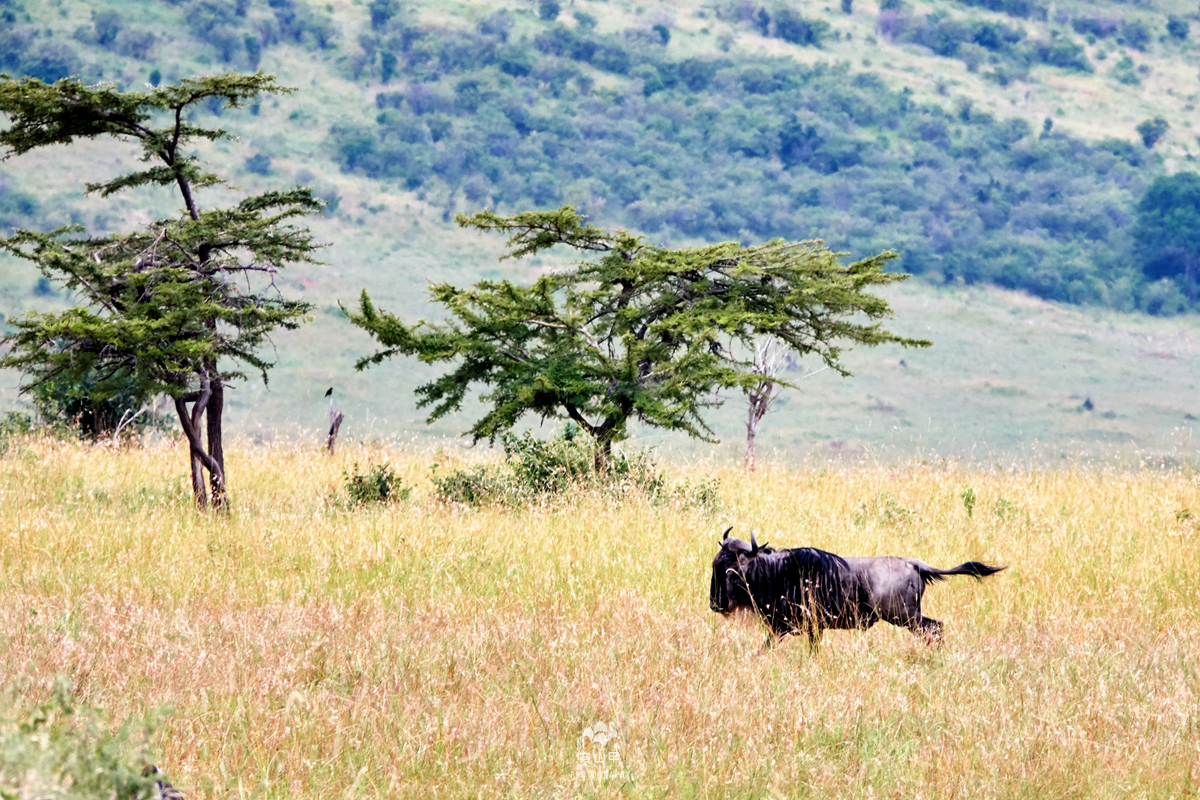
[745, 148]
[521, 107]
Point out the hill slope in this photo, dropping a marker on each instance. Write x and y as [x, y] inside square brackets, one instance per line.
[870, 140]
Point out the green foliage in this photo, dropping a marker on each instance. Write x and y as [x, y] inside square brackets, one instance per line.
[1168, 230]
[475, 486]
[17, 208]
[1124, 72]
[259, 164]
[536, 470]
[640, 332]
[1027, 9]
[376, 484]
[238, 32]
[1006, 509]
[968, 498]
[1099, 27]
[179, 307]
[886, 509]
[13, 425]
[94, 405]
[65, 749]
[791, 27]
[977, 41]
[1152, 130]
[742, 147]
[22, 52]
[1134, 33]
[892, 511]
[382, 11]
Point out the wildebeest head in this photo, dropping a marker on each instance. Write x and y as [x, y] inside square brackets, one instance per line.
[729, 591]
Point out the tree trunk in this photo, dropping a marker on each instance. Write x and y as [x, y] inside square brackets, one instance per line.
[603, 453]
[201, 459]
[198, 493]
[216, 447]
[335, 422]
[751, 432]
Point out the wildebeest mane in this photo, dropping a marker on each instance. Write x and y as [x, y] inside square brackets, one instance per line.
[793, 589]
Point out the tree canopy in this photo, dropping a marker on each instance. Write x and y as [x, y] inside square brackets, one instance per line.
[634, 331]
[180, 307]
[1168, 230]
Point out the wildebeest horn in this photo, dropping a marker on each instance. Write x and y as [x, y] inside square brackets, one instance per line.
[753, 544]
[727, 530]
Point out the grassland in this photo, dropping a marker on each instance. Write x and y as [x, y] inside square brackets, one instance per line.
[423, 650]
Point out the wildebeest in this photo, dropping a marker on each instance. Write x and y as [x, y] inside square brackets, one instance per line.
[806, 590]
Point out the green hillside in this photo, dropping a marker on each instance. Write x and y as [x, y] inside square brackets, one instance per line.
[987, 147]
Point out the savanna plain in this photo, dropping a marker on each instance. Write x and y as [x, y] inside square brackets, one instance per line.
[310, 648]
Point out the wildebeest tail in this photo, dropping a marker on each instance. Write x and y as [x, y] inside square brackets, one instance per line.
[976, 569]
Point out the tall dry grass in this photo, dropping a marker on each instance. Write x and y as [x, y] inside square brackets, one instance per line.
[421, 650]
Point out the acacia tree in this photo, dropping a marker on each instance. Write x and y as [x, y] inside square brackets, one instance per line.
[179, 307]
[633, 332]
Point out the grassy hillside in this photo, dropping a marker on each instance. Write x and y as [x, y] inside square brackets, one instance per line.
[424, 650]
[1007, 373]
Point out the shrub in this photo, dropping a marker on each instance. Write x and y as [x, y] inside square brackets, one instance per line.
[472, 487]
[1100, 27]
[1135, 34]
[791, 27]
[1152, 130]
[1064, 53]
[377, 484]
[537, 469]
[259, 164]
[63, 748]
[968, 498]
[94, 408]
[13, 425]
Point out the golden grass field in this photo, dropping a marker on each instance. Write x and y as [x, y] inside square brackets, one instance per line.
[422, 650]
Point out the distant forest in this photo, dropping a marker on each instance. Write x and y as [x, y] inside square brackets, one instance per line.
[740, 148]
[721, 147]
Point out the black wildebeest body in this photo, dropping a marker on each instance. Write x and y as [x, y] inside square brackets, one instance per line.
[806, 590]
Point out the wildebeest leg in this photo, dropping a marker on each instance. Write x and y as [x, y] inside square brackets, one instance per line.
[928, 627]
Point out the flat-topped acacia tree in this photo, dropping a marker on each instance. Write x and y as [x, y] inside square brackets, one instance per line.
[633, 332]
[181, 306]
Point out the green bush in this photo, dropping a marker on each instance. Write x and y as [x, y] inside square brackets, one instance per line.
[377, 484]
[14, 424]
[64, 748]
[93, 407]
[538, 470]
[472, 487]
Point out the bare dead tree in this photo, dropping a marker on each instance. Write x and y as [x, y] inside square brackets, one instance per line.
[335, 422]
[769, 359]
